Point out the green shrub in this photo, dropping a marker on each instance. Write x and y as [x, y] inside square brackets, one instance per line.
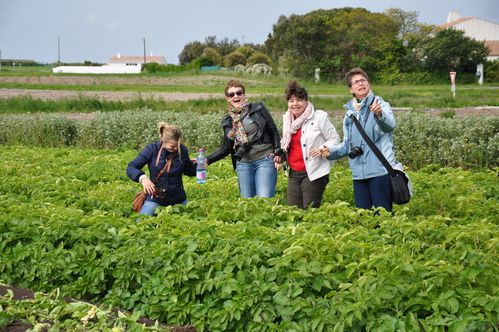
[420, 139]
[491, 71]
[110, 130]
[171, 68]
[447, 141]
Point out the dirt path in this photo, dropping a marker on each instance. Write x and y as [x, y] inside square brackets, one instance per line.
[104, 95]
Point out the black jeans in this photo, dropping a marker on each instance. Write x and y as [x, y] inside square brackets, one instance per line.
[305, 193]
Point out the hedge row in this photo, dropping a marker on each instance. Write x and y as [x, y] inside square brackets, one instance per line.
[421, 139]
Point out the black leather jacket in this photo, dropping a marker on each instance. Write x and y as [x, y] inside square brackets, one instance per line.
[261, 116]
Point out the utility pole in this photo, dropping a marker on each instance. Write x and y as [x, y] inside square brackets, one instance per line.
[58, 50]
[144, 39]
[0, 59]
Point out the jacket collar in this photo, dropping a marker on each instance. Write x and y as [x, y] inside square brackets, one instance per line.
[351, 111]
[253, 107]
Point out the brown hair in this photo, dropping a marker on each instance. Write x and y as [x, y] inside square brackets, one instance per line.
[295, 89]
[352, 73]
[236, 84]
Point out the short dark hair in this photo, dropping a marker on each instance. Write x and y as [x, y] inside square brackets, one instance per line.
[295, 89]
[352, 73]
[234, 83]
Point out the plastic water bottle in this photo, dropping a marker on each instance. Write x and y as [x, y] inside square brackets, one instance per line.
[201, 167]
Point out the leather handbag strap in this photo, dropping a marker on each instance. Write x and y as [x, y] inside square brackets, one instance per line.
[372, 146]
[166, 168]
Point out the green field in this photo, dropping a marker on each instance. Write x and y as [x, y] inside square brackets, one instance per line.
[269, 89]
[222, 263]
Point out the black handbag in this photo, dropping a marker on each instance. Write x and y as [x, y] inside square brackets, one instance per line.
[399, 181]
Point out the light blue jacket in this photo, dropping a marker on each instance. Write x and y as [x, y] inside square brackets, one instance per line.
[380, 131]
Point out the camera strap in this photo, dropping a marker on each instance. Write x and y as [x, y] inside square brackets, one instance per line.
[372, 146]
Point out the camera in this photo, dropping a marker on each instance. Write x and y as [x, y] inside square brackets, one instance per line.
[160, 192]
[241, 151]
[355, 151]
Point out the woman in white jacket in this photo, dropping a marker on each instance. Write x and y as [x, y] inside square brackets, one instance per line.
[308, 136]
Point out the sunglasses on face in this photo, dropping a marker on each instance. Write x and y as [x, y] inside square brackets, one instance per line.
[232, 94]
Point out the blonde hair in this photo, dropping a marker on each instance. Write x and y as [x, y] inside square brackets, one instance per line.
[168, 132]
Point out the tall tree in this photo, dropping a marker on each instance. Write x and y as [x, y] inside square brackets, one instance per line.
[334, 40]
[194, 50]
[407, 21]
[450, 49]
[191, 51]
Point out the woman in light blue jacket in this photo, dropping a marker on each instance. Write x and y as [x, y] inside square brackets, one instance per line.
[371, 182]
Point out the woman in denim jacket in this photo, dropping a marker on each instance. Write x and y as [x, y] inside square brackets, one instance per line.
[252, 139]
[371, 182]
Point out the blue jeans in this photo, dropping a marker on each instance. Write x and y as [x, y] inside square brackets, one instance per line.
[373, 192]
[149, 208]
[257, 178]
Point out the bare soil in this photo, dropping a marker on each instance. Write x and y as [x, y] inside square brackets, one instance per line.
[104, 95]
[204, 80]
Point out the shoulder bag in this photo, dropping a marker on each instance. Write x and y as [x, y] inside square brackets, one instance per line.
[400, 187]
[140, 196]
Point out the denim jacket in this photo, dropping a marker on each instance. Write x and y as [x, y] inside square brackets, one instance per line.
[380, 131]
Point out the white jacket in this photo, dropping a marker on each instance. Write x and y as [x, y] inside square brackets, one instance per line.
[317, 131]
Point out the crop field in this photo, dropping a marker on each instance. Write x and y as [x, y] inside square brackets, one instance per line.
[222, 263]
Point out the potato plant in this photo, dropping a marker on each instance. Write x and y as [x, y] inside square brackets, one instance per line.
[223, 263]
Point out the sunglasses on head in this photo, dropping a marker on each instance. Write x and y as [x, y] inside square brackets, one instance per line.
[232, 94]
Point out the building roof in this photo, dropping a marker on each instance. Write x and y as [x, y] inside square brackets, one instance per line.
[137, 59]
[458, 21]
[493, 46]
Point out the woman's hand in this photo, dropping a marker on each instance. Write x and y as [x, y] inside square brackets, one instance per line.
[277, 162]
[319, 152]
[148, 186]
[376, 109]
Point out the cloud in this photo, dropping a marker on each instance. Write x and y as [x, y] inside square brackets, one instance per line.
[113, 24]
[90, 17]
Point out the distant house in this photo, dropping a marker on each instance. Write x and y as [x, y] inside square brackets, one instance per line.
[477, 28]
[493, 46]
[117, 64]
[137, 59]
[113, 68]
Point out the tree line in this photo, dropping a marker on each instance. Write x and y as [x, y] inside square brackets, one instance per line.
[392, 45]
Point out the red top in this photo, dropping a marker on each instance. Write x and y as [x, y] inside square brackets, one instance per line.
[295, 155]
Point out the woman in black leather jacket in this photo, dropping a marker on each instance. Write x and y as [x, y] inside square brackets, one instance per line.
[252, 139]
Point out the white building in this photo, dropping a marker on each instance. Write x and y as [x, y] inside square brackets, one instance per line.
[112, 68]
[477, 28]
[117, 64]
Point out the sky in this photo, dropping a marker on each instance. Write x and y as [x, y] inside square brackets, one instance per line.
[95, 30]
